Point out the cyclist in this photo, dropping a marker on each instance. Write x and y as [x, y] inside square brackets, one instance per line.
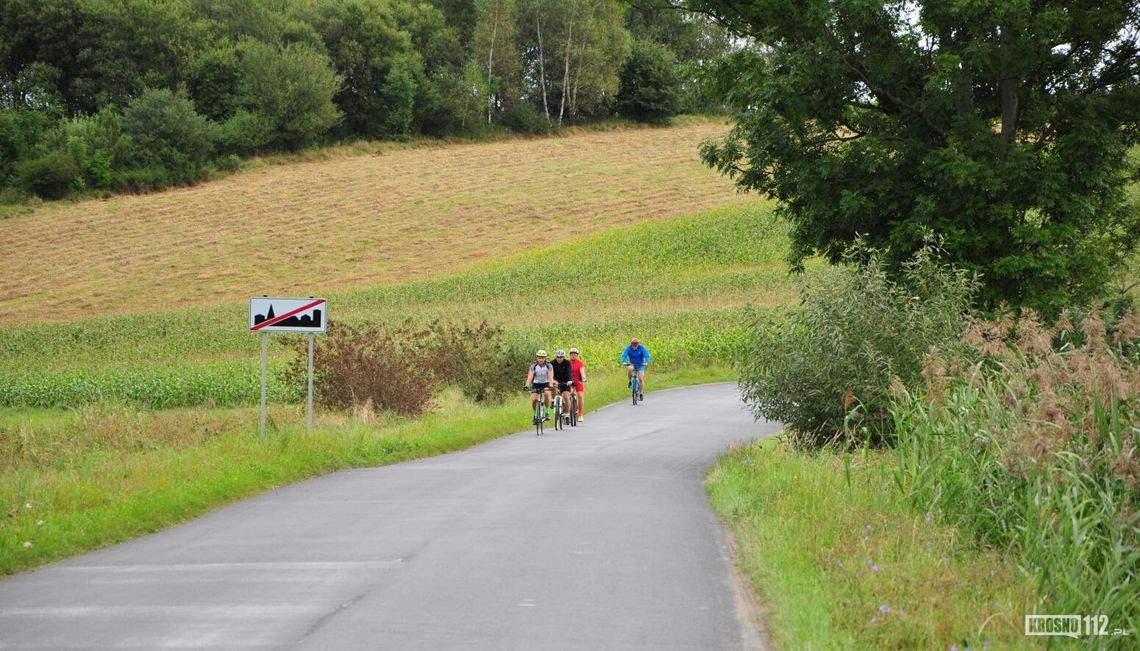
[636, 357]
[578, 374]
[564, 376]
[538, 378]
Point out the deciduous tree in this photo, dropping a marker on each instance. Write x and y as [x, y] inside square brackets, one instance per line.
[1003, 126]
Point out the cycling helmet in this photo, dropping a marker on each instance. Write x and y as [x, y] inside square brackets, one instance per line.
[540, 353]
[573, 351]
[634, 341]
[560, 353]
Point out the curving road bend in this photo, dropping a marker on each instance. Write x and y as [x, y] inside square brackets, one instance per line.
[599, 537]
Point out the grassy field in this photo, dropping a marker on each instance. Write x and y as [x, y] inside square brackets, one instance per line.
[843, 563]
[343, 223]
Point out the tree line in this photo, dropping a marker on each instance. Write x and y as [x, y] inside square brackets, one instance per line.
[142, 94]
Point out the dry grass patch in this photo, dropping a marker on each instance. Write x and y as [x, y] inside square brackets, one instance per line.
[347, 222]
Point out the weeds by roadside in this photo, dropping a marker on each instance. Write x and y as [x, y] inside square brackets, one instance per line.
[836, 551]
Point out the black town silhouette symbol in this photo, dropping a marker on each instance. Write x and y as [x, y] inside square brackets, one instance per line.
[294, 321]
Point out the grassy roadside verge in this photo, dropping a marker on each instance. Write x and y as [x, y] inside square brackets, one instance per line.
[66, 505]
[842, 562]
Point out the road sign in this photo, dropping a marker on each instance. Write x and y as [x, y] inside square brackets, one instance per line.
[288, 314]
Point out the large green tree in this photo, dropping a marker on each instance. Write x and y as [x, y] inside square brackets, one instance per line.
[1002, 126]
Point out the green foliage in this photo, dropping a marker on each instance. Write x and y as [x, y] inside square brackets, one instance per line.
[170, 142]
[296, 73]
[1001, 126]
[825, 369]
[213, 84]
[292, 88]
[163, 386]
[1033, 449]
[98, 146]
[371, 53]
[399, 96]
[245, 133]
[50, 176]
[525, 118]
[650, 85]
[20, 132]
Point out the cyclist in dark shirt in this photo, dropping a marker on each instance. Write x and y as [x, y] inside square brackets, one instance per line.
[563, 376]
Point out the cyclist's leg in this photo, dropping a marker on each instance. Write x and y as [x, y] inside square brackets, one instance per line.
[641, 376]
[629, 374]
[581, 401]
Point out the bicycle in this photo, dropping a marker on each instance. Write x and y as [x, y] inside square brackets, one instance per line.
[559, 412]
[539, 413]
[573, 408]
[634, 386]
[562, 415]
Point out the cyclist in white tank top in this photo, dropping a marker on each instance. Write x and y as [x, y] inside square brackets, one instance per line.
[538, 378]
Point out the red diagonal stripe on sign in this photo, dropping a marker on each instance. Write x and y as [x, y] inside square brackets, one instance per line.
[278, 319]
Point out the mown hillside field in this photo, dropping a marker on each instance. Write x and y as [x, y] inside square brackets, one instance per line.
[347, 222]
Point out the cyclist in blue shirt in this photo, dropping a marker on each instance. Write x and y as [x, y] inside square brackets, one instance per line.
[636, 358]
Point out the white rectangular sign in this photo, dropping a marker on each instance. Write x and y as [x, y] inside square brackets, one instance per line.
[288, 314]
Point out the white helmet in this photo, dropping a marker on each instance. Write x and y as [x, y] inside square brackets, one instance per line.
[560, 353]
[573, 351]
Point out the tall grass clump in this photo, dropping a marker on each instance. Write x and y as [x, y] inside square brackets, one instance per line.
[832, 359]
[1027, 437]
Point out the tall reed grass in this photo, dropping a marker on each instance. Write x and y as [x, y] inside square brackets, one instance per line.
[1027, 436]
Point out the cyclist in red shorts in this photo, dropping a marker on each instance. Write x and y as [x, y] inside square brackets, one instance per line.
[578, 375]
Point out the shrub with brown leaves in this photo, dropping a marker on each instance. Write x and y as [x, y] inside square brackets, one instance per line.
[398, 368]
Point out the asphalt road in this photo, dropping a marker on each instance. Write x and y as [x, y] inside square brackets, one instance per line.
[599, 537]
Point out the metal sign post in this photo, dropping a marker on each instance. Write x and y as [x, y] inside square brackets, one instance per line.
[267, 315]
[264, 367]
[310, 406]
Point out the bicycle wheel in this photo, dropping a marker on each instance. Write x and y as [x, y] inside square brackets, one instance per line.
[635, 389]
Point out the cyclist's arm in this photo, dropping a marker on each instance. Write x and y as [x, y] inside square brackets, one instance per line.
[646, 355]
[624, 356]
[530, 377]
[582, 373]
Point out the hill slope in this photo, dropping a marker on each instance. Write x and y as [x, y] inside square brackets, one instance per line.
[347, 223]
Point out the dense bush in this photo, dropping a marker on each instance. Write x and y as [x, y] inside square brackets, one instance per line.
[20, 132]
[50, 176]
[650, 85]
[171, 142]
[855, 331]
[400, 368]
[525, 118]
[292, 88]
[98, 146]
[1027, 438]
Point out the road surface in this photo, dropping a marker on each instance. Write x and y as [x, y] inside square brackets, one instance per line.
[599, 537]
